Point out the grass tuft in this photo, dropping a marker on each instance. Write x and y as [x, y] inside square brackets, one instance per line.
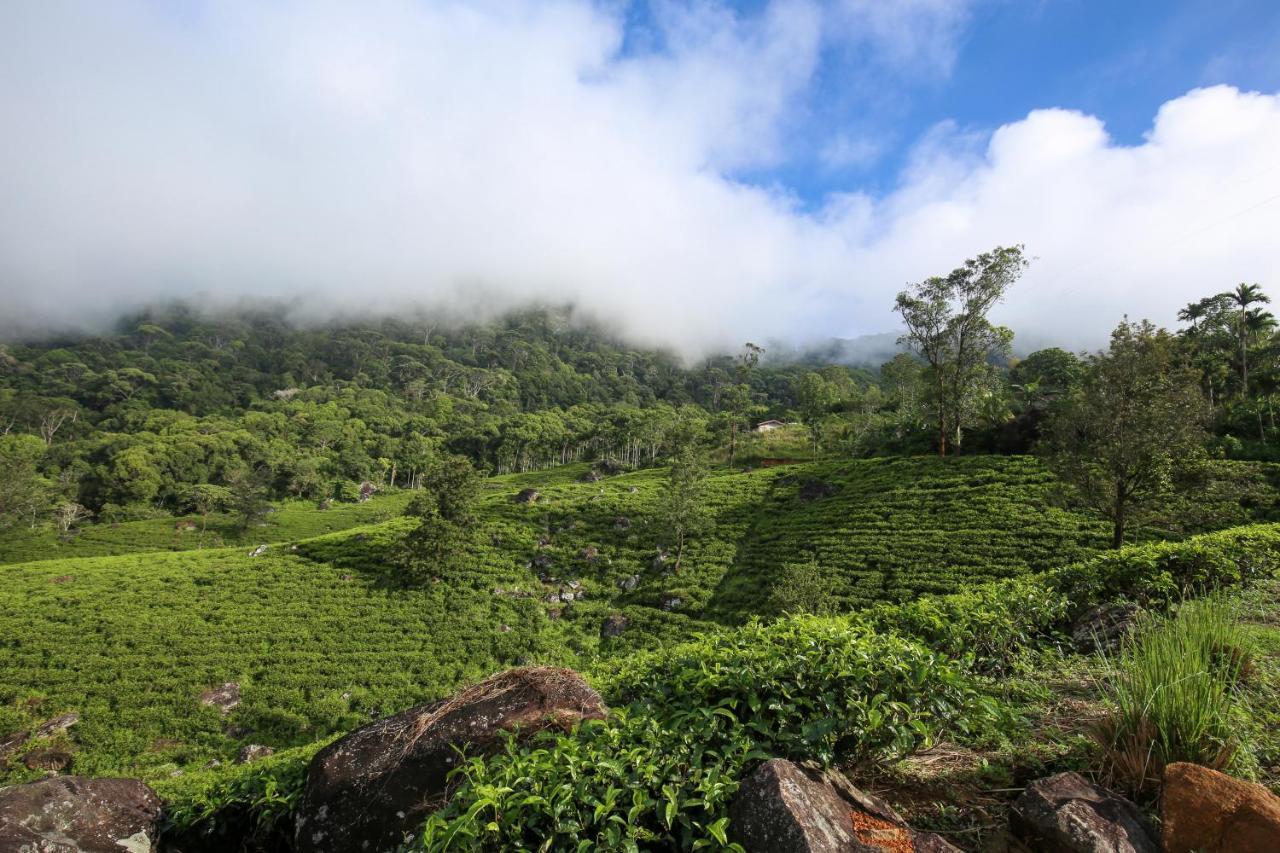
[1174, 687]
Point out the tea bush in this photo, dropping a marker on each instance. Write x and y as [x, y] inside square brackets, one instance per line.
[662, 772]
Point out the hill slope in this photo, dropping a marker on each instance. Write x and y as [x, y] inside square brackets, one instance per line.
[318, 641]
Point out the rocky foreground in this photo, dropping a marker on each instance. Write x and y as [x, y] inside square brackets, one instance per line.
[371, 790]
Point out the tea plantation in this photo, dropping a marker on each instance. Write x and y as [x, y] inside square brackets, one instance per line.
[319, 641]
[289, 521]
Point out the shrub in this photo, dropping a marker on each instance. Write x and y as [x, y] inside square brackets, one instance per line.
[803, 587]
[256, 796]
[1173, 687]
[1163, 573]
[662, 772]
[989, 625]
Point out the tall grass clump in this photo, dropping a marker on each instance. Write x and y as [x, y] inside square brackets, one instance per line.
[1174, 687]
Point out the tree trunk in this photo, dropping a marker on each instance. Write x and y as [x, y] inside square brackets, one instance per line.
[1244, 356]
[1118, 518]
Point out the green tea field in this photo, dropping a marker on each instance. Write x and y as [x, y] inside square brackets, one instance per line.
[318, 640]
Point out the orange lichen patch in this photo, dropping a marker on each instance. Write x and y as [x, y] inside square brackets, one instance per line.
[881, 834]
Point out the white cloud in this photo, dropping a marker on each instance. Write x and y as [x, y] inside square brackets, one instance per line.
[1116, 230]
[368, 157]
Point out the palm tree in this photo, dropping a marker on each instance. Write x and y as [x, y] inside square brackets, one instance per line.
[1243, 296]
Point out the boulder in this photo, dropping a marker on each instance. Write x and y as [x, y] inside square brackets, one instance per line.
[621, 523]
[259, 551]
[614, 624]
[224, 697]
[592, 476]
[49, 758]
[58, 724]
[11, 743]
[1210, 812]
[527, 496]
[69, 814]
[781, 808]
[253, 752]
[368, 790]
[1104, 627]
[1068, 814]
[671, 602]
[629, 583]
[814, 489]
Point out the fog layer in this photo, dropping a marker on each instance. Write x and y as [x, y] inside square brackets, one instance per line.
[371, 156]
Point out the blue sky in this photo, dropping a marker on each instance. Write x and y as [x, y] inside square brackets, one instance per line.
[697, 173]
[1118, 60]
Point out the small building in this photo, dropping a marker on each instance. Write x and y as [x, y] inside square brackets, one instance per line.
[769, 426]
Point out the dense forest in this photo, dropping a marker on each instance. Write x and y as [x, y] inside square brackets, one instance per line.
[180, 411]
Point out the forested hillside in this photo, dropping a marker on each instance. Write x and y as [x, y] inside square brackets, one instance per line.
[224, 537]
[130, 422]
[188, 413]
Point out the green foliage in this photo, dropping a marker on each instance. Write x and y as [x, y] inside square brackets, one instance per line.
[992, 624]
[802, 587]
[25, 496]
[893, 529]
[682, 510]
[1160, 574]
[439, 546]
[947, 326]
[989, 624]
[1125, 440]
[291, 521]
[661, 773]
[260, 793]
[1173, 688]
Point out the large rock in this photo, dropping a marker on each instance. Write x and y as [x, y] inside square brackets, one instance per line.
[614, 625]
[58, 724]
[780, 808]
[253, 752]
[1207, 811]
[224, 697]
[71, 814]
[13, 742]
[1068, 814]
[366, 791]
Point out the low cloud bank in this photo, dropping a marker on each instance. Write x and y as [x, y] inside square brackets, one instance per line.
[369, 158]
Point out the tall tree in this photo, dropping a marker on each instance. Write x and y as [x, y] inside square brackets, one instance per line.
[248, 496]
[25, 495]
[439, 545]
[1211, 337]
[1248, 321]
[816, 397]
[1125, 440]
[947, 326]
[738, 397]
[682, 511]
